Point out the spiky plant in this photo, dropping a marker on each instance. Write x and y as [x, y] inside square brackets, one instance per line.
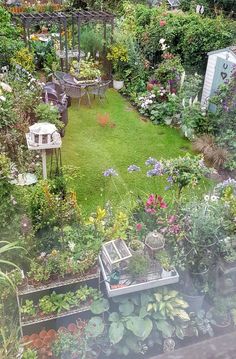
[203, 143]
[6, 247]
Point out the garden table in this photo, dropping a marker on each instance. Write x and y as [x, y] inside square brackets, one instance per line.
[88, 86]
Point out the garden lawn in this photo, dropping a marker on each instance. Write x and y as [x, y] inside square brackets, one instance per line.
[131, 140]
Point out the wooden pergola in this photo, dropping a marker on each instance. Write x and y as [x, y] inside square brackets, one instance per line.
[75, 18]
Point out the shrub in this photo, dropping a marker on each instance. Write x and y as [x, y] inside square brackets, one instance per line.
[138, 265]
[25, 59]
[48, 113]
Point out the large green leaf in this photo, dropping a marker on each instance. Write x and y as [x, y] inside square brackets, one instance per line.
[180, 313]
[116, 332]
[136, 325]
[143, 312]
[95, 327]
[114, 317]
[145, 298]
[166, 328]
[147, 328]
[99, 306]
[126, 308]
[179, 333]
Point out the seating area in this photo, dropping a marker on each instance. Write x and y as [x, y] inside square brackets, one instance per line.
[79, 89]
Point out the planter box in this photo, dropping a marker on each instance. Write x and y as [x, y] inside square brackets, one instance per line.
[46, 318]
[92, 274]
[129, 287]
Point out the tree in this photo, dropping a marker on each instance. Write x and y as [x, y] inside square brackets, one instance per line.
[9, 41]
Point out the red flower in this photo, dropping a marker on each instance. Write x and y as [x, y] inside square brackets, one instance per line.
[162, 23]
[139, 226]
[161, 202]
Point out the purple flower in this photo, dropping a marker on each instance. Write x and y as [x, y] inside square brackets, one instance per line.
[156, 171]
[133, 168]
[110, 172]
[151, 161]
[170, 179]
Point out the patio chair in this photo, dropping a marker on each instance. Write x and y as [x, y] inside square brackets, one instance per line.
[103, 86]
[49, 95]
[98, 89]
[74, 91]
[58, 78]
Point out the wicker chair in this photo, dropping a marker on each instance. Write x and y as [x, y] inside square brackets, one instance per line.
[74, 91]
[103, 87]
[98, 89]
[57, 78]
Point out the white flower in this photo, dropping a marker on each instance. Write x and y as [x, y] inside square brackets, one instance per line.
[161, 41]
[2, 98]
[214, 198]
[71, 246]
[5, 87]
[206, 198]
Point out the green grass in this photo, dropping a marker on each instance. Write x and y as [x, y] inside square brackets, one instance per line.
[94, 149]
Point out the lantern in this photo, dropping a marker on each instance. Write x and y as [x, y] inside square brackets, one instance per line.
[154, 241]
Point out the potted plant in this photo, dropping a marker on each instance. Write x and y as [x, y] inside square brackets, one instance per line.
[164, 259]
[118, 55]
[85, 69]
[199, 249]
[220, 313]
[138, 266]
[136, 246]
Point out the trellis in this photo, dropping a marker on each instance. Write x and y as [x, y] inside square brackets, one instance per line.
[76, 18]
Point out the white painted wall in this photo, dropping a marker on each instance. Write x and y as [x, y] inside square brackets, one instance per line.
[209, 76]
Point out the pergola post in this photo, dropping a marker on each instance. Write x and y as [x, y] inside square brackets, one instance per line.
[66, 44]
[79, 34]
[104, 38]
[61, 48]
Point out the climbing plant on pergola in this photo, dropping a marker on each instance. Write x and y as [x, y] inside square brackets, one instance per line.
[75, 18]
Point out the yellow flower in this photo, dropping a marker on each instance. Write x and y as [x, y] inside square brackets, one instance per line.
[101, 213]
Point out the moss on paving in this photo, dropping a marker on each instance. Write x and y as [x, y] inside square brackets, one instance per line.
[130, 141]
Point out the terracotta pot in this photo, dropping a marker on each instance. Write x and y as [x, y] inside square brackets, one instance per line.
[33, 337]
[42, 334]
[150, 87]
[51, 333]
[47, 340]
[38, 343]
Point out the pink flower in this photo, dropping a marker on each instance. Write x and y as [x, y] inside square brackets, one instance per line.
[139, 226]
[171, 219]
[163, 205]
[162, 23]
[150, 210]
[151, 200]
[175, 228]
[161, 202]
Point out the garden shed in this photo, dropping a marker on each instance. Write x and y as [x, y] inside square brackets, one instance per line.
[219, 69]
